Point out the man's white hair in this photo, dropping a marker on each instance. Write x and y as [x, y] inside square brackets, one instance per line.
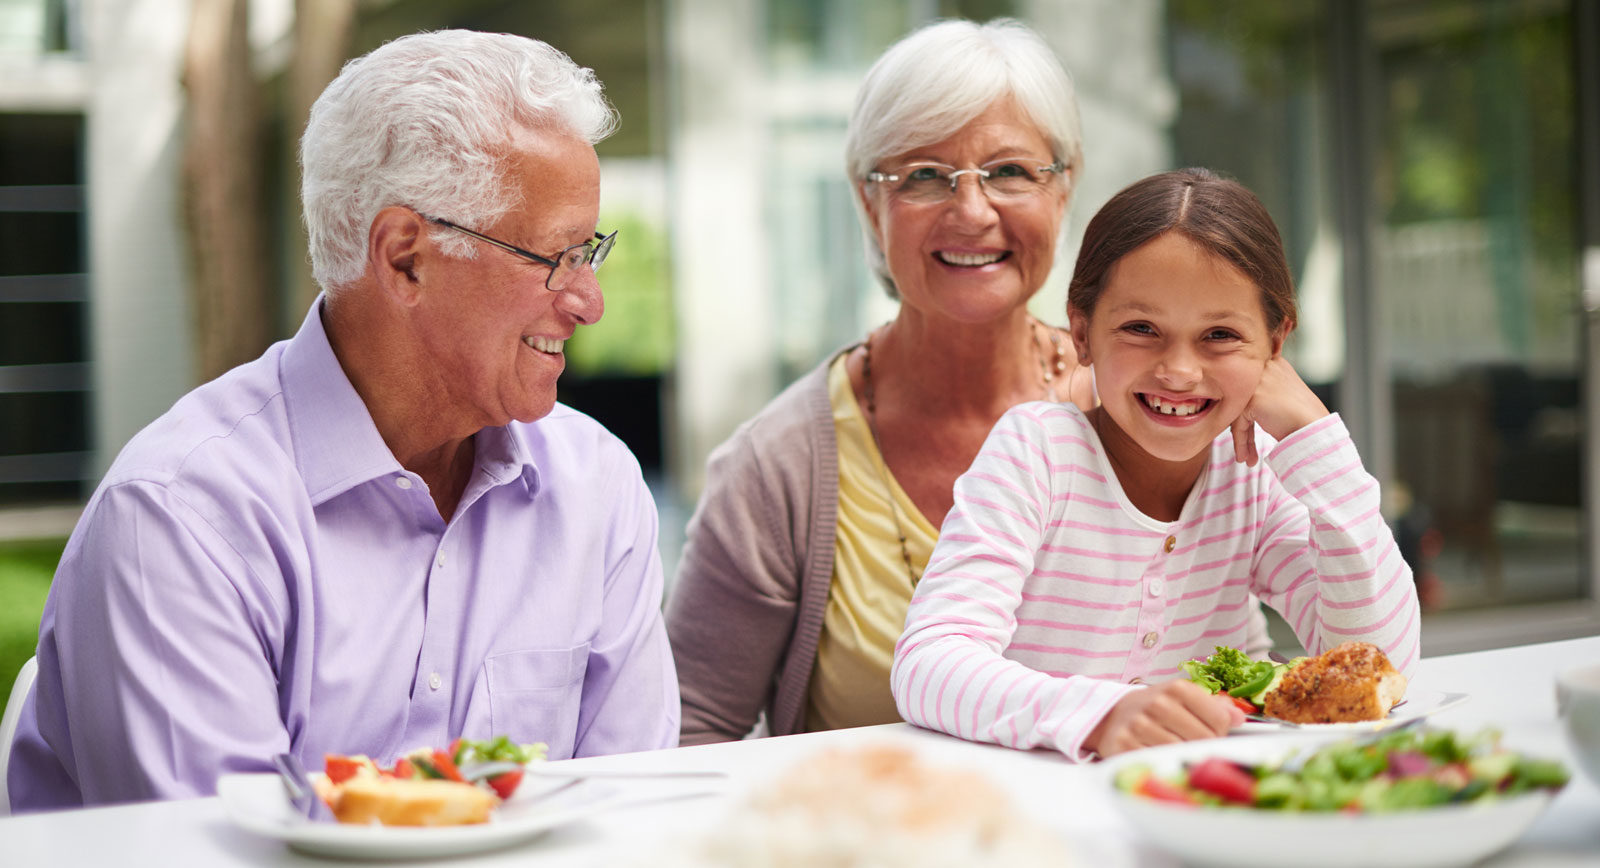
[928, 85]
[425, 121]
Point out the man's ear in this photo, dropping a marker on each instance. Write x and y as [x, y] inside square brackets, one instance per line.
[1078, 322]
[394, 242]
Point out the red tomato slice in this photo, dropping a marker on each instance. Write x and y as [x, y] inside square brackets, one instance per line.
[505, 784]
[403, 769]
[446, 766]
[1244, 705]
[1158, 789]
[340, 768]
[1224, 780]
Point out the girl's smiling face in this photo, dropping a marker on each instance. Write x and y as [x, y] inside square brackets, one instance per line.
[1179, 341]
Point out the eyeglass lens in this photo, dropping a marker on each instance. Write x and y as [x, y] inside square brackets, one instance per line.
[590, 253]
[935, 182]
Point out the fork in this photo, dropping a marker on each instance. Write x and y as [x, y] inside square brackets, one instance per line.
[301, 793]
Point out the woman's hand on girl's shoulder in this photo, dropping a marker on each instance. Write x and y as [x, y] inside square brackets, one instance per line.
[1282, 405]
[1165, 713]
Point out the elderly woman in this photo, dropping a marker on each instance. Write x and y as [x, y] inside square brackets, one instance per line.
[820, 513]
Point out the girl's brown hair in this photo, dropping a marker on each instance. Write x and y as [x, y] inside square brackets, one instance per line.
[1219, 214]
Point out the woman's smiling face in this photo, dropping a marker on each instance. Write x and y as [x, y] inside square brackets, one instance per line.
[972, 257]
[1179, 342]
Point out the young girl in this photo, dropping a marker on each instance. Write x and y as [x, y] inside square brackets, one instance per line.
[1091, 552]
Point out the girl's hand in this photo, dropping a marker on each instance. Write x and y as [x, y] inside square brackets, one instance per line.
[1166, 713]
[1282, 405]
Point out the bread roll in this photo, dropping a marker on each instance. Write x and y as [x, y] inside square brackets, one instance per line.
[394, 802]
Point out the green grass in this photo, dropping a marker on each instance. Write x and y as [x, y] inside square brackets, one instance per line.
[26, 567]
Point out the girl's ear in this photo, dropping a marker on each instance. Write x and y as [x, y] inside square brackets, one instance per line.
[1279, 336]
[1078, 322]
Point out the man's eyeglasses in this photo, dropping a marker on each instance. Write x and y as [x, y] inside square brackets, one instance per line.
[926, 183]
[562, 267]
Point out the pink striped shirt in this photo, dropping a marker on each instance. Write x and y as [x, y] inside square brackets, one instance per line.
[1050, 596]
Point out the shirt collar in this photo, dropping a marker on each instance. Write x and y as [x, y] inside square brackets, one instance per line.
[336, 444]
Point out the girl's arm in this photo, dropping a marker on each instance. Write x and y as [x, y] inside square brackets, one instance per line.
[1327, 560]
[948, 672]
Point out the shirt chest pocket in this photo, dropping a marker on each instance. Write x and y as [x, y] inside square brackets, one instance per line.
[534, 696]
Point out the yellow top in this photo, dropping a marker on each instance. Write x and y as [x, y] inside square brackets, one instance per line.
[867, 600]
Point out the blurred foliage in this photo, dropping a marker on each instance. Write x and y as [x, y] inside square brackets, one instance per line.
[636, 336]
[1264, 36]
[26, 567]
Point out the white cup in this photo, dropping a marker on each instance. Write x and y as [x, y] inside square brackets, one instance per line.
[1578, 705]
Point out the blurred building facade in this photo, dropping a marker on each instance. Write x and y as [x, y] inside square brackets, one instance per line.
[1431, 162]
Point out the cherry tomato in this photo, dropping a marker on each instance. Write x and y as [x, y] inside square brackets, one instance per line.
[446, 766]
[1158, 789]
[340, 768]
[505, 784]
[1224, 780]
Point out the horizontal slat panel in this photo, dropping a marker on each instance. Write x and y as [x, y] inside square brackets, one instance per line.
[64, 377]
[44, 467]
[55, 197]
[44, 287]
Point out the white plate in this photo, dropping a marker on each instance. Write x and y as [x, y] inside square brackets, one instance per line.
[1417, 705]
[1246, 837]
[258, 803]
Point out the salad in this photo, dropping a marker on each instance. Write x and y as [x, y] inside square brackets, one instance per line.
[1406, 770]
[495, 764]
[1247, 682]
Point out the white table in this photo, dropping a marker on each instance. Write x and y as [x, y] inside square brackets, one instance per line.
[1511, 689]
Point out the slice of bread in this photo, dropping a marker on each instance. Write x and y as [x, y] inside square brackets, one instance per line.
[394, 802]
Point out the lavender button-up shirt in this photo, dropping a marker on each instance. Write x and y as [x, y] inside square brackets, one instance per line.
[257, 573]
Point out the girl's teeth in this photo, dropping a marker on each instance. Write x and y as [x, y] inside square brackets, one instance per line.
[544, 345]
[1165, 408]
[968, 258]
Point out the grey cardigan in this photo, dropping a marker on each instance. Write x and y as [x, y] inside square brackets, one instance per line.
[745, 614]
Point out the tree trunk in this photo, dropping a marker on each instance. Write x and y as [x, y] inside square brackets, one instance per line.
[233, 314]
[322, 33]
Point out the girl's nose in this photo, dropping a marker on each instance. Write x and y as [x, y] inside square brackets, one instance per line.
[1179, 367]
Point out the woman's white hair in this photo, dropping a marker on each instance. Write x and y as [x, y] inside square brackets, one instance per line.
[425, 121]
[928, 85]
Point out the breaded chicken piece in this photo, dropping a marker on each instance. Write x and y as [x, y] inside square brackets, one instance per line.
[1349, 683]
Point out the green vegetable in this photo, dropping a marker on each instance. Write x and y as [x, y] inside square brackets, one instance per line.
[498, 749]
[1437, 767]
[1227, 669]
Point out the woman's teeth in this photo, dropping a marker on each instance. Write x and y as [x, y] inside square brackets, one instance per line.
[968, 259]
[544, 345]
[1169, 408]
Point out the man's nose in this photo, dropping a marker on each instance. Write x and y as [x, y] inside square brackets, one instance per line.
[582, 297]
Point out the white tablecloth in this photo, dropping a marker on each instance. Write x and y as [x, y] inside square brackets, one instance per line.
[1510, 688]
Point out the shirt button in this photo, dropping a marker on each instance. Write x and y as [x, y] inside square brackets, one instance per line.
[1156, 587]
[434, 681]
[440, 560]
[402, 481]
[1150, 639]
[1171, 541]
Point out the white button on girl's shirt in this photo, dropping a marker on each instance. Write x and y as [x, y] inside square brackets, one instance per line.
[1150, 639]
[434, 681]
[402, 481]
[1156, 587]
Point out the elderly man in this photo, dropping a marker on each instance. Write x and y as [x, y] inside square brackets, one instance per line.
[384, 533]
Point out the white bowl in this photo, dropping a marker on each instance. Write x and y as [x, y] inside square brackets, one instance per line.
[1243, 837]
[1578, 705]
